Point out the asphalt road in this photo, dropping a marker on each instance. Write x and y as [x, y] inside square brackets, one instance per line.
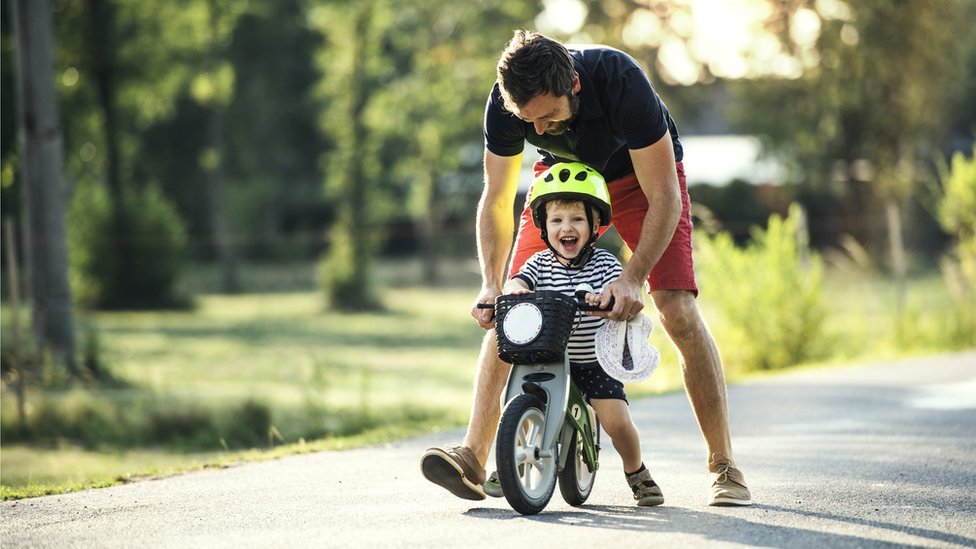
[875, 456]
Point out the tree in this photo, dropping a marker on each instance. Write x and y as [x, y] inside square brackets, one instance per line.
[345, 271]
[213, 90]
[273, 139]
[116, 82]
[871, 114]
[439, 104]
[41, 173]
[407, 86]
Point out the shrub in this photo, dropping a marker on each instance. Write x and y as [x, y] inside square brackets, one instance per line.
[769, 293]
[248, 425]
[134, 261]
[185, 424]
[957, 216]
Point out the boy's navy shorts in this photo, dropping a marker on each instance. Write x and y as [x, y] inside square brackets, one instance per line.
[595, 383]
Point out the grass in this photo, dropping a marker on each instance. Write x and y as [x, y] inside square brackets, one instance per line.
[31, 471]
[339, 375]
[324, 380]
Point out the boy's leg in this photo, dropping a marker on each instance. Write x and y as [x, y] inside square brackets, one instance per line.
[616, 421]
[615, 418]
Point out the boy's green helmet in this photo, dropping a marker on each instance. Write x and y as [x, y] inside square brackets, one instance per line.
[569, 181]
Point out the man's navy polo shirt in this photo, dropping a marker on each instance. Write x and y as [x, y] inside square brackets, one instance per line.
[619, 110]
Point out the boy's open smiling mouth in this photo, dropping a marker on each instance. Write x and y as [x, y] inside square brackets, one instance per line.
[569, 243]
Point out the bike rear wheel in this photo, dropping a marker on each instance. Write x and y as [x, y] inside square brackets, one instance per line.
[527, 478]
[576, 479]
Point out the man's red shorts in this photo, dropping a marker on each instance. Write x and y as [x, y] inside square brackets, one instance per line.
[674, 271]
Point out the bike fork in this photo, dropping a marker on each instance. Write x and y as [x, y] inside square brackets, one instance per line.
[566, 409]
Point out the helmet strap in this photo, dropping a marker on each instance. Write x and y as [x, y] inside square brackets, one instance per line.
[586, 253]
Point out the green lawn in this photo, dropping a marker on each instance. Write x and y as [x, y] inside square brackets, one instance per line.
[311, 369]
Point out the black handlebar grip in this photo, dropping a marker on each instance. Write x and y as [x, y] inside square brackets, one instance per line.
[583, 306]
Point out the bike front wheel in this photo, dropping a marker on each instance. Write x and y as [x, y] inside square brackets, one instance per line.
[527, 478]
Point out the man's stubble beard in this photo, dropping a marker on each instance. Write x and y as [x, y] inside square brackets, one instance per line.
[563, 126]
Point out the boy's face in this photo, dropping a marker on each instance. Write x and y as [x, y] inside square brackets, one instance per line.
[567, 227]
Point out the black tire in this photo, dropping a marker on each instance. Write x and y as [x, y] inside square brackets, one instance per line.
[527, 480]
[576, 480]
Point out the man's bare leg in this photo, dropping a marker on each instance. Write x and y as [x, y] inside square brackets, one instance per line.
[489, 382]
[461, 469]
[704, 380]
[701, 366]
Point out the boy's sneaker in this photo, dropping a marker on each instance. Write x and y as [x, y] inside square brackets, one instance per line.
[646, 491]
[456, 469]
[492, 487]
[728, 484]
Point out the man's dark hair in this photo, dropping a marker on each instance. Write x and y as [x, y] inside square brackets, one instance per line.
[532, 65]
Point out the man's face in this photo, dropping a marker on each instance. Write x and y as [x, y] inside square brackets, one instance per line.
[551, 114]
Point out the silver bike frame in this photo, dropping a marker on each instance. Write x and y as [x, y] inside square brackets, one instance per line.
[552, 380]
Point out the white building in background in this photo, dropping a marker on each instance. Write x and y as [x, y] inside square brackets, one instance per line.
[709, 159]
[719, 159]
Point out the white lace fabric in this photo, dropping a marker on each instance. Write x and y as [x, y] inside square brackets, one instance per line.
[623, 349]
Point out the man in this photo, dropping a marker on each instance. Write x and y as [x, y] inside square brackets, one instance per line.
[593, 105]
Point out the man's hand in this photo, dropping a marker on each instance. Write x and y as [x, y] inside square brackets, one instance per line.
[485, 317]
[627, 295]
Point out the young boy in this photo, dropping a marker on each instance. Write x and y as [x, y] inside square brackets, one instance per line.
[570, 202]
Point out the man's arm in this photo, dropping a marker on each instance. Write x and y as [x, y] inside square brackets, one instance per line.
[495, 226]
[656, 173]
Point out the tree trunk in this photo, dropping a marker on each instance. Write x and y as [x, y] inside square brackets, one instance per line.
[101, 44]
[101, 51]
[430, 228]
[355, 186]
[43, 195]
[13, 286]
[229, 279]
[897, 247]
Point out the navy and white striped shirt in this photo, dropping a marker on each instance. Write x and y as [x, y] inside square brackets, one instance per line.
[543, 271]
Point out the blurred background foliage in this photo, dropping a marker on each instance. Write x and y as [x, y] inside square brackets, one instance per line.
[283, 131]
[330, 151]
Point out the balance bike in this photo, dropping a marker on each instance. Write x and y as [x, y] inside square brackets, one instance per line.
[547, 429]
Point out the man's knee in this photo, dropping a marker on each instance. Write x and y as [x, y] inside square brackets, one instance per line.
[679, 314]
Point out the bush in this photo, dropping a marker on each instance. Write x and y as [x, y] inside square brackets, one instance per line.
[957, 216]
[769, 293]
[132, 262]
[248, 425]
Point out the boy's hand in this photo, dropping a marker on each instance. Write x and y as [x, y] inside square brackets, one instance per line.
[515, 286]
[593, 300]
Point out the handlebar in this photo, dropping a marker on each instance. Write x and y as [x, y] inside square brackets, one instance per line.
[583, 306]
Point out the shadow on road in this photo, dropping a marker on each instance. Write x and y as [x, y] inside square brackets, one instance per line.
[919, 532]
[720, 525]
